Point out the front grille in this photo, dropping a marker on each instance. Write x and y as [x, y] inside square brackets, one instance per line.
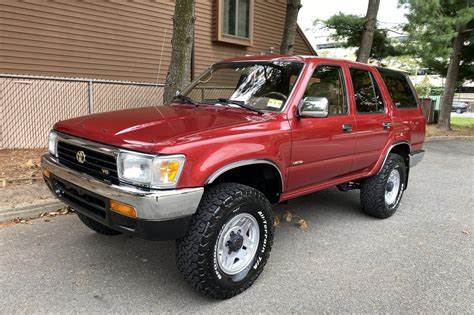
[80, 198]
[99, 165]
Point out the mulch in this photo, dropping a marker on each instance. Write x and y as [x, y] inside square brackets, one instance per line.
[20, 166]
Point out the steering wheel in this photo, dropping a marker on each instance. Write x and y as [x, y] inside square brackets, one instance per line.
[281, 95]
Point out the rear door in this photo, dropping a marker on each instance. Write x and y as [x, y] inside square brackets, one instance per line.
[409, 114]
[372, 118]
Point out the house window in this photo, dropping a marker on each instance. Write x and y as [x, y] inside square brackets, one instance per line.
[235, 21]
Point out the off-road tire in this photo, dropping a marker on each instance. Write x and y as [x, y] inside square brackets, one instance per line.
[196, 251]
[96, 226]
[372, 189]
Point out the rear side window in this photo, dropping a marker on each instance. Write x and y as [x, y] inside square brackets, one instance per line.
[399, 88]
[366, 92]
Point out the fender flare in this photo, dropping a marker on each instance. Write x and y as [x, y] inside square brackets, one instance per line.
[393, 145]
[237, 164]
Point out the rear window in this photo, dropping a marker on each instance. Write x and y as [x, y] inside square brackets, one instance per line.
[399, 88]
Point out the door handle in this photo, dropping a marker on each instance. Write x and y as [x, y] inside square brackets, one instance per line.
[386, 125]
[346, 128]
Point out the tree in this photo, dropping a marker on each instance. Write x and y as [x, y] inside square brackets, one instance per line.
[368, 32]
[348, 29]
[441, 35]
[179, 71]
[288, 39]
[423, 89]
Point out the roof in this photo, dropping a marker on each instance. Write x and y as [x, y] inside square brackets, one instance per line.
[300, 58]
[305, 39]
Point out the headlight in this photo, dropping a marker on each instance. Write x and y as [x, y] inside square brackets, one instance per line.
[53, 143]
[148, 170]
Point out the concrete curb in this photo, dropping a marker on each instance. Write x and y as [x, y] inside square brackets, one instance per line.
[29, 211]
[437, 138]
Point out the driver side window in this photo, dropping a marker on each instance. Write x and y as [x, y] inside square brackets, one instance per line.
[328, 82]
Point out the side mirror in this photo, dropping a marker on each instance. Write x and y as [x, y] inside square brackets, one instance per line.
[313, 106]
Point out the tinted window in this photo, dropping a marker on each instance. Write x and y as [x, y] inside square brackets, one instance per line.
[398, 88]
[328, 82]
[366, 92]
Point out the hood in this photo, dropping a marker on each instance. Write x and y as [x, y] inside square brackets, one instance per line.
[141, 129]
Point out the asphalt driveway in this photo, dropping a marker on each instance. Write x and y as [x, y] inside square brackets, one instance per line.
[420, 260]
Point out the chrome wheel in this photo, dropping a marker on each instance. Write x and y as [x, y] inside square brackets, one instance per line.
[237, 243]
[392, 187]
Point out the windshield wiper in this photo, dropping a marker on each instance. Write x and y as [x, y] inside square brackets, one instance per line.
[185, 99]
[240, 104]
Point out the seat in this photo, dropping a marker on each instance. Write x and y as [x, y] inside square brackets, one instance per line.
[328, 90]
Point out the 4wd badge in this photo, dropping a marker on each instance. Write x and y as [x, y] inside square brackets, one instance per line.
[81, 157]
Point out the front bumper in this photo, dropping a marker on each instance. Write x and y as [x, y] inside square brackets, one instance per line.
[161, 214]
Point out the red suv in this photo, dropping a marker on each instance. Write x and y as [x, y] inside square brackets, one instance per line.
[247, 133]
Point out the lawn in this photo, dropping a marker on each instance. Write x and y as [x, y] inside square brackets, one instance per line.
[462, 126]
[462, 121]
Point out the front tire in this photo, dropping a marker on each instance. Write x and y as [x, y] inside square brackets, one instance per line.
[228, 241]
[380, 195]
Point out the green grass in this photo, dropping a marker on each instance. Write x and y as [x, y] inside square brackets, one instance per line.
[462, 122]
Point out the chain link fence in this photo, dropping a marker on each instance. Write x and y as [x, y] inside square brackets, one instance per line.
[30, 105]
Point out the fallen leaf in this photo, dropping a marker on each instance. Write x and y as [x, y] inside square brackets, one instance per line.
[276, 221]
[287, 216]
[302, 225]
[30, 163]
[466, 232]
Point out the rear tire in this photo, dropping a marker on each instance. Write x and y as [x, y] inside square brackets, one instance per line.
[380, 195]
[96, 226]
[228, 241]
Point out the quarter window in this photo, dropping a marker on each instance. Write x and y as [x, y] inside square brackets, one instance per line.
[399, 88]
[328, 82]
[366, 92]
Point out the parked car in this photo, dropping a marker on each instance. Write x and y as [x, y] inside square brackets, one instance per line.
[460, 107]
[249, 132]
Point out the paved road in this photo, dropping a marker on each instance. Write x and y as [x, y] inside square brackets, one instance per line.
[417, 261]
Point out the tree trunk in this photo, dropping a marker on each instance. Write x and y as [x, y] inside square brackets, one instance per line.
[368, 32]
[288, 39]
[444, 121]
[180, 67]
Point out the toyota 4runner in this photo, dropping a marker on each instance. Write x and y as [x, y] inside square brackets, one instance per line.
[249, 132]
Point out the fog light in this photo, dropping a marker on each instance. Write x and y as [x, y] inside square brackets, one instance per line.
[124, 209]
[45, 172]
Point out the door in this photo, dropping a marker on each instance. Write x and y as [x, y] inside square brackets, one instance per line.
[373, 121]
[322, 147]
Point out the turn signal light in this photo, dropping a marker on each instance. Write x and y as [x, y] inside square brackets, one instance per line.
[168, 171]
[124, 209]
[45, 172]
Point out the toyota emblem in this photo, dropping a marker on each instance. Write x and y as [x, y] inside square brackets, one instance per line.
[81, 157]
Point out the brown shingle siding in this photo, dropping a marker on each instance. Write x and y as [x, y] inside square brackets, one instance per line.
[120, 40]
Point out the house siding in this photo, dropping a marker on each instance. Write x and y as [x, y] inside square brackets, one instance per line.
[120, 40]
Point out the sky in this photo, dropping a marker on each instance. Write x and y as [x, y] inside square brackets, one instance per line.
[389, 14]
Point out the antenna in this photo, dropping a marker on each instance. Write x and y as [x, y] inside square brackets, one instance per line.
[161, 55]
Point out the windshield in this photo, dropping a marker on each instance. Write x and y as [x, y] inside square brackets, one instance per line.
[261, 85]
